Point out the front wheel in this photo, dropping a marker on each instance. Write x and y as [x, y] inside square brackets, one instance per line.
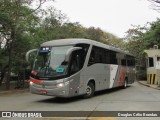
[89, 90]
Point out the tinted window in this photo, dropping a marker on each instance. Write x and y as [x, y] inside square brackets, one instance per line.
[96, 56]
[123, 62]
[101, 55]
[130, 60]
[77, 61]
[113, 58]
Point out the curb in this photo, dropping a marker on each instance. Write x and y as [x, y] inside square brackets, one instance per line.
[157, 88]
[14, 91]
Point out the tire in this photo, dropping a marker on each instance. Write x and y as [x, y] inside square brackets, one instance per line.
[89, 90]
[125, 84]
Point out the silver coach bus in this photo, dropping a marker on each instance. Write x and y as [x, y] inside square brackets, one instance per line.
[72, 67]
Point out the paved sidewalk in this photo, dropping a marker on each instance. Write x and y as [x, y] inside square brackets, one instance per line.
[148, 85]
[13, 89]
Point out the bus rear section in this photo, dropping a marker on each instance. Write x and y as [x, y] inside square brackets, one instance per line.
[109, 68]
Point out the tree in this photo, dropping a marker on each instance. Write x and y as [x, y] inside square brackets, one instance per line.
[116, 42]
[105, 37]
[156, 4]
[73, 30]
[16, 18]
[135, 43]
[152, 36]
[95, 33]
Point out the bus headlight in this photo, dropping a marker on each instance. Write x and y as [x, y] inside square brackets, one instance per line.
[60, 84]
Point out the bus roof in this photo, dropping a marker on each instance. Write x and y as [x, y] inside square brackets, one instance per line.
[73, 41]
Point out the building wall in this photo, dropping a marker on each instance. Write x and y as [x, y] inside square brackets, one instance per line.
[152, 72]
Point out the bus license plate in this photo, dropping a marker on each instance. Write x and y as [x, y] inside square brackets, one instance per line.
[43, 91]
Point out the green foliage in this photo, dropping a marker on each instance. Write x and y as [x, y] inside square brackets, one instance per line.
[116, 42]
[142, 38]
[16, 20]
[95, 34]
[152, 36]
[135, 43]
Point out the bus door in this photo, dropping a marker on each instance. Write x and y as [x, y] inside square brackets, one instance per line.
[76, 64]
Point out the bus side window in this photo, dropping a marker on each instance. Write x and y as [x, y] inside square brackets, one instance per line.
[91, 58]
[123, 62]
[75, 64]
[113, 58]
[96, 56]
[77, 61]
[130, 61]
[107, 58]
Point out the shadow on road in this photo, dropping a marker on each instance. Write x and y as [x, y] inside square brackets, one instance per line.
[61, 100]
[79, 98]
[108, 91]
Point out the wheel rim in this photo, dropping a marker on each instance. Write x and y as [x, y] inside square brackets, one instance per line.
[125, 83]
[88, 90]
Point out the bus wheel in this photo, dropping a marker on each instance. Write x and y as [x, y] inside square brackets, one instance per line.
[125, 84]
[89, 90]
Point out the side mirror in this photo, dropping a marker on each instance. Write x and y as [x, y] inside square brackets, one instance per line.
[68, 53]
[29, 52]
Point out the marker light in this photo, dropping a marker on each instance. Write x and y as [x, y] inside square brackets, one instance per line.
[30, 82]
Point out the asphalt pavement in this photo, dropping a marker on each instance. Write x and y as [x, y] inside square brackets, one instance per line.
[135, 97]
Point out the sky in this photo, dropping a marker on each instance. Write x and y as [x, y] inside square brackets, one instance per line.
[114, 16]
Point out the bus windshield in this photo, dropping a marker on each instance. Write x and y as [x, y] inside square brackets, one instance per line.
[50, 62]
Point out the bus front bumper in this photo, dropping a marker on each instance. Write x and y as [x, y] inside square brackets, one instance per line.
[60, 91]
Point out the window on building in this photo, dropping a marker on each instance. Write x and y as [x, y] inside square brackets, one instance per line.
[151, 62]
[158, 58]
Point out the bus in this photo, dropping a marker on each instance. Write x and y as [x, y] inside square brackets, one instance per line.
[72, 67]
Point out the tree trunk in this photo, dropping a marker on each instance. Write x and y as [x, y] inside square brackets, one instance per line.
[13, 38]
[2, 77]
[9, 69]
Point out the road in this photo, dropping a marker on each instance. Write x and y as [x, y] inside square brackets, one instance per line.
[135, 98]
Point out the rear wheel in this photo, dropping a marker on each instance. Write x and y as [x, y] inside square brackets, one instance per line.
[89, 90]
[125, 84]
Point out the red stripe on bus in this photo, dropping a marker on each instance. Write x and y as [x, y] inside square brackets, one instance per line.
[115, 77]
[121, 78]
[35, 81]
